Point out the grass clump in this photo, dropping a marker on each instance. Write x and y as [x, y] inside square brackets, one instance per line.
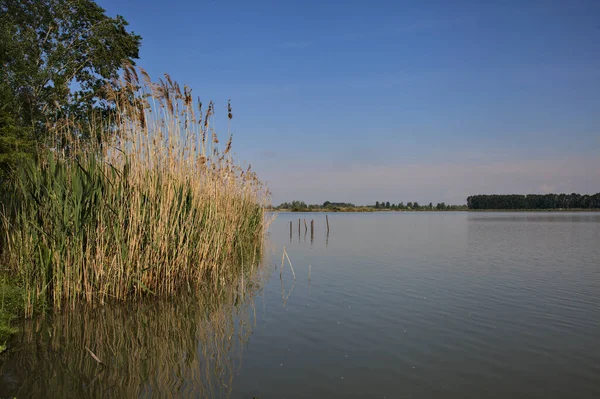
[151, 206]
[11, 305]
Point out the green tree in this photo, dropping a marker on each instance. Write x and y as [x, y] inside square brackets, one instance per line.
[532, 201]
[376, 204]
[299, 206]
[55, 58]
[387, 204]
[15, 141]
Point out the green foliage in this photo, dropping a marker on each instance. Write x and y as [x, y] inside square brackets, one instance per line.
[534, 201]
[328, 206]
[295, 206]
[16, 142]
[11, 306]
[86, 230]
[55, 58]
[137, 215]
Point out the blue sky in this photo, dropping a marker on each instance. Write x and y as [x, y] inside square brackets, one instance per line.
[366, 101]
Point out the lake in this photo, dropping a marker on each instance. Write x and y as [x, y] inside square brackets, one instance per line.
[398, 305]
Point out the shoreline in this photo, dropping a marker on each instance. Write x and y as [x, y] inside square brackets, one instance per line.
[434, 210]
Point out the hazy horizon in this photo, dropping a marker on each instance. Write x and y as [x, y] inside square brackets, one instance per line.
[397, 101]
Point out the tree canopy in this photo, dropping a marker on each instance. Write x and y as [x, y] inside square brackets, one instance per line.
[301, 206]
[55, 58]
[534, 201]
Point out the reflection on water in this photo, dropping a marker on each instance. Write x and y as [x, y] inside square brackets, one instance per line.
[544, 217]
[396, 305]
[312, 230]
[431, 305]
[190, 345]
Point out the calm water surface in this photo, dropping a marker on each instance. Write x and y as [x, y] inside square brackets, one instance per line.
[460, 305]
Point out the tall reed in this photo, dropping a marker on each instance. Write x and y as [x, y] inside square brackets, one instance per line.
[151, 204]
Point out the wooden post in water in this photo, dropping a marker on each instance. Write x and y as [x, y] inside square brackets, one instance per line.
[290, 229]
[312, 229]
[305, 227]
[327, 220]
[298, 228]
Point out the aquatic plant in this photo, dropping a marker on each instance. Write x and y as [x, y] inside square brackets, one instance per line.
[147, 203]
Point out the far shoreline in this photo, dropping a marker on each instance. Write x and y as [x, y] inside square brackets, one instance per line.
[538, 210]
[561, 210]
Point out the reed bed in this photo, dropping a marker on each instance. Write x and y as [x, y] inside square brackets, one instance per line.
[152, 204]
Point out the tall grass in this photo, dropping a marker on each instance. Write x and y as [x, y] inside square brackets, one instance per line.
[151, 205]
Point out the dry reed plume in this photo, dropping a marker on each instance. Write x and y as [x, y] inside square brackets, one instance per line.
[152, 206]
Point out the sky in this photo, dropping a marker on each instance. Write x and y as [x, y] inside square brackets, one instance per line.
[364, 101]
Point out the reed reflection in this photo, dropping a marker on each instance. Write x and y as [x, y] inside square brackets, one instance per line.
[190, 345]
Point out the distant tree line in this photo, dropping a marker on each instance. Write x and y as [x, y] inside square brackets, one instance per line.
[415, 206]
[294, 206]
[534, 201]
[301, 206]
